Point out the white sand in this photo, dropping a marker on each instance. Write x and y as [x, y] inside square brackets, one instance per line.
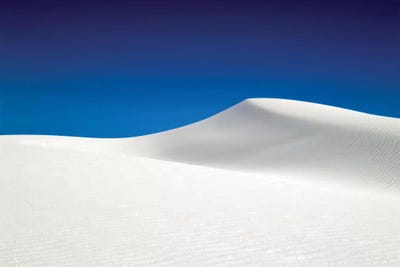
[268, 182]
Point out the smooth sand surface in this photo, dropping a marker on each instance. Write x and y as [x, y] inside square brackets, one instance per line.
[268, 182]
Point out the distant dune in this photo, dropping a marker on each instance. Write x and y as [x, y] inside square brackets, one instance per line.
[268, 182]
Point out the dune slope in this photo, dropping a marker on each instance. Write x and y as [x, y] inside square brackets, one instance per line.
[288, 137]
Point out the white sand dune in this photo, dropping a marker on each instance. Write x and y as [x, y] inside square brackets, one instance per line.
[268, 182]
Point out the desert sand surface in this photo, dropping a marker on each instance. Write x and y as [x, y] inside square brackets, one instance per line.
[267, 182]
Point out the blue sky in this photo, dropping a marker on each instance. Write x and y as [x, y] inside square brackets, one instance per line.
[125, 68]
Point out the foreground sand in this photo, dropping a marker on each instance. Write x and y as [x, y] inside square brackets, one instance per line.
[268, 182]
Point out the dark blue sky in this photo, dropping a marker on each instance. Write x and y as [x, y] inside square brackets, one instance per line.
[124, 68]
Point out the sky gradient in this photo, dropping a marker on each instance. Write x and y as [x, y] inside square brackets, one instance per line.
[126, 68]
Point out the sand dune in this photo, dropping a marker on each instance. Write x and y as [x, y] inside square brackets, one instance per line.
[292, 137]
[268, 182]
